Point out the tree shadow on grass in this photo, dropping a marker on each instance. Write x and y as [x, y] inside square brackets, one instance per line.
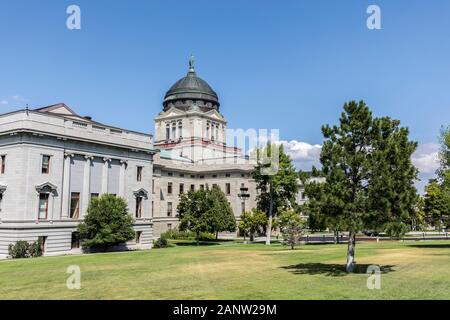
[331, 269]
[431, 246]
[194, 244]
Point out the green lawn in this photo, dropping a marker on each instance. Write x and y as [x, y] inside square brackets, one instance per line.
[412, 270]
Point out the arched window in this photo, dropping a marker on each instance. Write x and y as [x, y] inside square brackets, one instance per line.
[180, 129]
[174, 130]
[167, 131]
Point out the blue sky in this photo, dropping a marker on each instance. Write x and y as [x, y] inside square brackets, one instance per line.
[288, 65]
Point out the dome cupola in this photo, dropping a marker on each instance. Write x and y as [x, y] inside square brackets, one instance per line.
[191, 90]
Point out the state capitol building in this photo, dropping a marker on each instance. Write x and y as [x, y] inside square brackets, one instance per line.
[53, 161]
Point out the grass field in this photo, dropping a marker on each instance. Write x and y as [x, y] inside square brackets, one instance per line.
[411, 270]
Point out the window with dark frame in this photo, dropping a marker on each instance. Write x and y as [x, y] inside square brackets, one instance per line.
[94, 195]
[228, 189]
[43, 206]
[181, 188]
[75, 205]
[169, 209]
[45, 167]
[138, 237]
[138, 207]
[192, 187]
[169, 188]
[139, 173]
[75, 240]
[3, 159]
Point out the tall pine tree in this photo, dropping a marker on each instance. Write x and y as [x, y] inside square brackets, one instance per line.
[369, 177]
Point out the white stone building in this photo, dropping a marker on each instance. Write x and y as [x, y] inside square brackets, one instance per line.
[53, 161]
[190, 133]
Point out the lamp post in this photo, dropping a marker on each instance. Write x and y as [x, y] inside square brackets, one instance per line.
[243, 196]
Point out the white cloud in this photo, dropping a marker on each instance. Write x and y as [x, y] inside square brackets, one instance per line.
[4, 102]
[303, 154]
[426, 158]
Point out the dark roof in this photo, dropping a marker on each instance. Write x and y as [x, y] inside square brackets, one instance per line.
[191, 87]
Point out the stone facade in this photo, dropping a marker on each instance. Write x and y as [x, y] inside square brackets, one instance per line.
[53, 161]
[191, 135]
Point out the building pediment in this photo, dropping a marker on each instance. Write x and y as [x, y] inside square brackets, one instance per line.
[141, 193]
[47, 187]
[170, 113]
[214, 114]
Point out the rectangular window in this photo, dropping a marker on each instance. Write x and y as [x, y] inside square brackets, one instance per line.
[181, 188]
[153, 208]
[43, 241]
[167, 132]
[169, 209]
[139, 173]
[228, 189]
[94, 195]
[75, 240]
[138, 207]
[3, 164]
[169, 226]
[192, 187]
[43, 205]
[202, 187]
[169, 188]
[227, 175]
[153, 186]
[170, 174]
[138, 237]
[75, 205]
[45, 168]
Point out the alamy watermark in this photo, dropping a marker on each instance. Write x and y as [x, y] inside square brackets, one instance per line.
[374, 280]
[74, 280]
[73, 22]
[374, 20]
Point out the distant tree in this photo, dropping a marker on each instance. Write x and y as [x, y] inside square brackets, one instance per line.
[437, 204]
[252, 222]
[444, 156]
[194, 213]
[220, 212]
[292, 227]
[418, 221]
[277, 182]
[107, 223]
[391, 193]
[357, 157]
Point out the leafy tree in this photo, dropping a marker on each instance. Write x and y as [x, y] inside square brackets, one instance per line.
[444, 156]
[292, 227]
[392, 196]
[252, 222]
[220, 213]
[437, 204]
[193, 210]
[107, 223]
[277, 182]
[205, 211]
[368, 174]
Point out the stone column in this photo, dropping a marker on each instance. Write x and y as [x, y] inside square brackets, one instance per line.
[105, 175]
[66, 186]
[122, 177]
[86, 193]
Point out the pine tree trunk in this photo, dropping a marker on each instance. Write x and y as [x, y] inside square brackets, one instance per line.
[351, 252]
[269, 224]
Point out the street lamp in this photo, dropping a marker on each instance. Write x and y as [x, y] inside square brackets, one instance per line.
[244, 195]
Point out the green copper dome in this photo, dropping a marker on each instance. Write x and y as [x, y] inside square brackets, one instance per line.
[191, 89]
